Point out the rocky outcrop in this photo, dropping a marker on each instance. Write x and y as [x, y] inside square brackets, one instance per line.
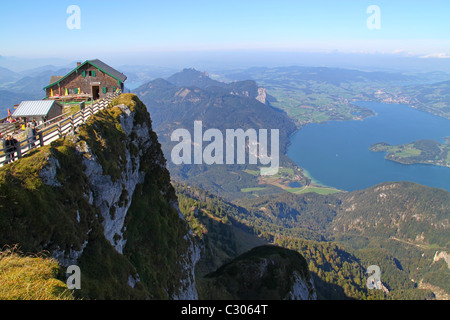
[302, 289]
[262, 95]
[442, 255]
[265, 272]
[101, 199]
[113, 198]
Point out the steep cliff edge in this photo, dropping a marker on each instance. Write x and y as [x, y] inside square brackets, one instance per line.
[265, 272]
[101, 199]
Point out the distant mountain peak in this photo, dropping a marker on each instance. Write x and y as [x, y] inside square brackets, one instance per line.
[191, 77]
[193, 70]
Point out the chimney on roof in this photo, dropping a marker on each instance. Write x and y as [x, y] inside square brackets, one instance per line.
[78, 64]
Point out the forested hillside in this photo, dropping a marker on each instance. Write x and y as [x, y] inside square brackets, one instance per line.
[222, 106]
[312, 225]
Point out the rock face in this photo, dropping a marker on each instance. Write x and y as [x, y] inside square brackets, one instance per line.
[102, 199]
[113, 198]
[442, 255]
[266, 272]
[302, 289]
[262, 95]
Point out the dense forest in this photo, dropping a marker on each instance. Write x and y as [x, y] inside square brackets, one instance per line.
[338, 265]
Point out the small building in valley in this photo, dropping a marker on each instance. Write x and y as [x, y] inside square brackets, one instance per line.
[40, 110]
[90, 80]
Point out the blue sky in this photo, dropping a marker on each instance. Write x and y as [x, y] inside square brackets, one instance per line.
[37, 28]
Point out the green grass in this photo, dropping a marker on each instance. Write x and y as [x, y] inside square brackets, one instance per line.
[405, 151]
[39, 216]
[252, 172]
[30, 278]
[318, 190]
[421, 151]
[287, 171]
[326, 103]
[295, 190]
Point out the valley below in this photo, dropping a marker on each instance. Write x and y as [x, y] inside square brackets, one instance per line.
[300, 207]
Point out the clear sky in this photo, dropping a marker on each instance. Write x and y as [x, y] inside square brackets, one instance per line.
[38, 28]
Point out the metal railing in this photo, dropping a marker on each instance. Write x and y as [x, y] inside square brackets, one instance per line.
[51, 131]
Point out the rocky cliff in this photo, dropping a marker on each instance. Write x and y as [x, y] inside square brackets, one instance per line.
[101, 199]
[265, 272]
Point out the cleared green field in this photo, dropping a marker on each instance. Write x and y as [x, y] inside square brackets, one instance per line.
[252, 189]
[313, 101]
[314, 189]
[407, 150]
[420, 151]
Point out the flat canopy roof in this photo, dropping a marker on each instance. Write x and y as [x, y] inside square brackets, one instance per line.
[34, 108]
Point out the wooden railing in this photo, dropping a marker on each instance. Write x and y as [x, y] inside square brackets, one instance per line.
[8, 128]
[51, 131]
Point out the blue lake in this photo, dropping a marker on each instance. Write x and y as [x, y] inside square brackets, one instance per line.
[337, 154]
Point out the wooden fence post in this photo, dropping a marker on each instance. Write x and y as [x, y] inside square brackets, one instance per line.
[72, 124]
[41, 139]
[19, 150]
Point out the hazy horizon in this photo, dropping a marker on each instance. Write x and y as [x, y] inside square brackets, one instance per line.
[223, 60]
[402, 35]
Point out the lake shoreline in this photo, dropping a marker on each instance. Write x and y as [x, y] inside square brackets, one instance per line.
[318, 151]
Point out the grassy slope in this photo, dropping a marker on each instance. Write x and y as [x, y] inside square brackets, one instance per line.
[40, 217]
[30, 278]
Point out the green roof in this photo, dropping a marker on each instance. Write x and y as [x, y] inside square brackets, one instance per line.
[99, 65]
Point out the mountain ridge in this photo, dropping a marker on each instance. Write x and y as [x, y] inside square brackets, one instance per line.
[82, 199]
[337, 257]
[101, 199]
[228, 106]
